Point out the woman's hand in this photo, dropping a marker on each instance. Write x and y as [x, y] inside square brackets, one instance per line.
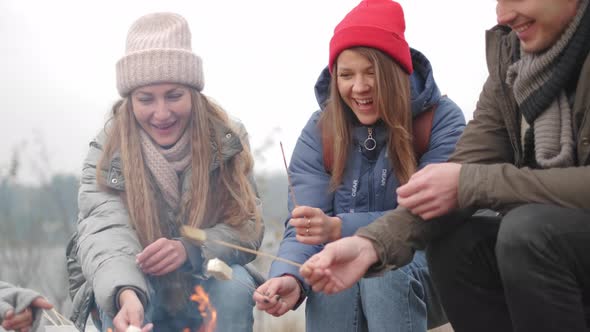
[277, 295]
[313, 226]
[162, 257]
[131, 312]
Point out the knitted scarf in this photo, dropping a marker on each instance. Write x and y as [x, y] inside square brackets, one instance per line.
[165, 164]
[538, 81]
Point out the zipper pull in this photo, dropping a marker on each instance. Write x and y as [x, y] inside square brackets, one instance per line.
[370, 143]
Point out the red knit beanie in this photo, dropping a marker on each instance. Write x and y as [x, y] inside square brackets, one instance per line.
[373, 23]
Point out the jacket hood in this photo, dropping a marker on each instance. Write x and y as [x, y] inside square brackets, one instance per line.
[424, 90]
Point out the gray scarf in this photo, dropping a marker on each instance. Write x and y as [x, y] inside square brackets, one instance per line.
[538, 81]
[166, 164]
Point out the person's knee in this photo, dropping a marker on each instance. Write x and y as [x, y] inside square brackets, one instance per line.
[234, 293]
[524, 229]
[446, 250]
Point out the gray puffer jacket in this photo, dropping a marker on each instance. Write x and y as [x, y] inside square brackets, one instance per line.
[101, 254]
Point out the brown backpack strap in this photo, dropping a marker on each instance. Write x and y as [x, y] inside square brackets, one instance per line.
[421, 128]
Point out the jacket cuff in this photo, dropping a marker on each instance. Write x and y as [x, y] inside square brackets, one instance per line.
[472, 193]
[302, 291]
[140, 294]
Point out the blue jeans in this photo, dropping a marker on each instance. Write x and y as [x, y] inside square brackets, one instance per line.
[231, 299]
[399, 301]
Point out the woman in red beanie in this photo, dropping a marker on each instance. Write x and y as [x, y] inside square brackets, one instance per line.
[348, 161]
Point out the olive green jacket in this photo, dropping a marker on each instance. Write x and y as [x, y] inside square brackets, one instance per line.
[492, 175]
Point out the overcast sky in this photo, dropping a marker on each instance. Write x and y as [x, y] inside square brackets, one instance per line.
[261, 59]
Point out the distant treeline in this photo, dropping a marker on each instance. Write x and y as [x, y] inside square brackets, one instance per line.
[49, 209]
[48, 212]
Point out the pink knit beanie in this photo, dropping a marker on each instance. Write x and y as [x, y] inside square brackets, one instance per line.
[378, 24]
[158, 50]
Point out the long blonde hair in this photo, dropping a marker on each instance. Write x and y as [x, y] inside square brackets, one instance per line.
[228, 197]
[393, 102]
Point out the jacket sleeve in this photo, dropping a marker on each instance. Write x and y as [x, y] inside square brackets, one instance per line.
[248, 235]
[17, 299]
[487, 155]
[398, 232]
[107, 244]
[500, 186]
[448, 124]
[311, 184]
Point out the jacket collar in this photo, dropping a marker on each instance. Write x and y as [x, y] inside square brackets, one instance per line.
[502, 50]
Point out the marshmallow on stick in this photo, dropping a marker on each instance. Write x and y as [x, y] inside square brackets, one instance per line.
[198, 237]
[218, 269]
[221, 271]
[194, 234]
[132, 328]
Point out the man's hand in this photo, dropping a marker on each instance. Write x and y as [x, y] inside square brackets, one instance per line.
[162, 257]
[432, 191]
[277, 295]
[339, 265]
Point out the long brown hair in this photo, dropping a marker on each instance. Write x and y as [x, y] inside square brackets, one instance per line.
[392, 97]
[233, 200]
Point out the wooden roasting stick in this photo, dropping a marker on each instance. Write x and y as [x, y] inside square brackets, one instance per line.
[288, 176]
[199, 236]
[221, 271]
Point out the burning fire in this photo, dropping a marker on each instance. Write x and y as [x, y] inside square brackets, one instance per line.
[206, 310]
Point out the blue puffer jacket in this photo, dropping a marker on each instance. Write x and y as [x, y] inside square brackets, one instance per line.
[368, 187]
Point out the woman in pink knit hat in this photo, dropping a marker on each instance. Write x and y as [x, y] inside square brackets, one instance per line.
[382, 118]
[167, 157]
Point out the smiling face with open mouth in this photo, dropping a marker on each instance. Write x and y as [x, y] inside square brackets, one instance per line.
[538, 23]
[356, 83]
[163, 111]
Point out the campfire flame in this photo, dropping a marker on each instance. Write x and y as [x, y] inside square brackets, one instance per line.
[206, 310]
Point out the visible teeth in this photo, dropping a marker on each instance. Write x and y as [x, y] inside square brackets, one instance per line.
[364, 101]
[522, 27]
